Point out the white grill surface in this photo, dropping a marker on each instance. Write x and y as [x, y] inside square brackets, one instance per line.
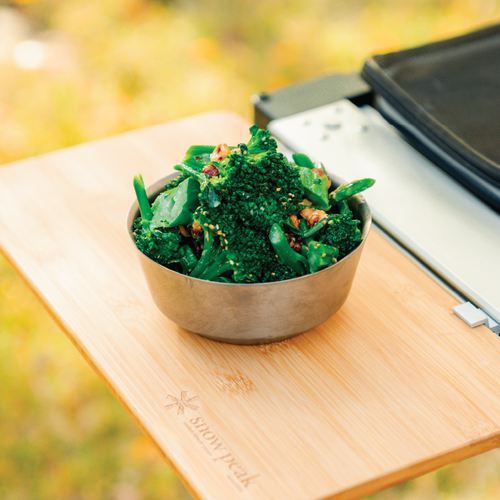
[428, 212]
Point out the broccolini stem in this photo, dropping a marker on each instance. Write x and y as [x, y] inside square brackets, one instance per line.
[208, 243]
[215, 271]
[285, 254]
[317, 227]
[142, 199]
[344, 207]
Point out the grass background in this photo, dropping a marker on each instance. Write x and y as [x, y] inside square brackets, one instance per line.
[107, 66]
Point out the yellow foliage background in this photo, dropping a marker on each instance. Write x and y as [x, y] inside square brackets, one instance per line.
[107, 66]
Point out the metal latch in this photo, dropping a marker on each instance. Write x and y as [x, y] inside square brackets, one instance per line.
[475, 317]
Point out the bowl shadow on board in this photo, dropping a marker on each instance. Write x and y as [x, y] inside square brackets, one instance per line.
[253, 313]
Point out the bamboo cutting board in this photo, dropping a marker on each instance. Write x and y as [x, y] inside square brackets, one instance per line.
[393, 386]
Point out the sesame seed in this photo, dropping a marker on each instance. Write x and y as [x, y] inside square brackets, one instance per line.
[231, 262]
[205, 212]
[323, 255]
[273, 274]
[330, 222]
[278, 189]
[276, 256]
[291, 194]
[211, 226]
[226, 242]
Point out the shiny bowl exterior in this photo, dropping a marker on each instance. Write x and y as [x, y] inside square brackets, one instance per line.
[253, 313]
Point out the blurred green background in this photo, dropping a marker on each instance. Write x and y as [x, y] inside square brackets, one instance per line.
[76, 70]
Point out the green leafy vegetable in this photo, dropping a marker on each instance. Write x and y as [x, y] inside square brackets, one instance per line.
[177, 206]
[247, 214]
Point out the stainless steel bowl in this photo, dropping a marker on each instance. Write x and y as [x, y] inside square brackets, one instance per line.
[251, 313]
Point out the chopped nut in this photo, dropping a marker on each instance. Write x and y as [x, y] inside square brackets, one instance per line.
[295, 220]
[313, 216]
[210, 170]
[293, 242]
[306, 212]
[220, 152]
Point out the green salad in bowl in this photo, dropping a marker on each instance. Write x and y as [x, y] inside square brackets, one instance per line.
[247, 214]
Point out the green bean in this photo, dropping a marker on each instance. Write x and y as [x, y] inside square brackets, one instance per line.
[347, 190]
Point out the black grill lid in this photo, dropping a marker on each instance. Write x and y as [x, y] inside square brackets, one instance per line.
[449, 92]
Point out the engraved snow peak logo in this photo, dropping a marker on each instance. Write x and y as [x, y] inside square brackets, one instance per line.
[216, 450]
[182, 403]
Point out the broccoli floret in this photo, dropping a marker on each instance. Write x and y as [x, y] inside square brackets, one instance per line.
[253, 190]
[164, 246]
[342, 232]
[261, 141]
[175, 182]
[246, 257]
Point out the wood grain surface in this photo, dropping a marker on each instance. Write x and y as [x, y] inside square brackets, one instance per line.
[391, 387]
